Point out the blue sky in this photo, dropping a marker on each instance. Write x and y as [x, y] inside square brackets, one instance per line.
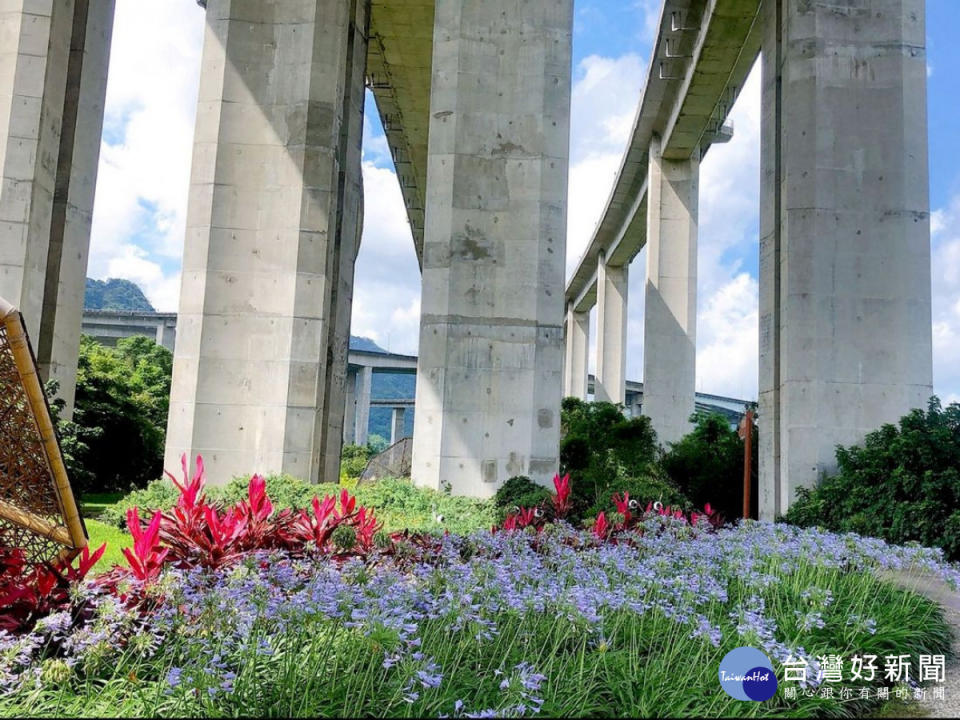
[145, 164]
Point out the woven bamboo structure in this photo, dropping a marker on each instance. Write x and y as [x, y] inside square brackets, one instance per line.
[38, 512]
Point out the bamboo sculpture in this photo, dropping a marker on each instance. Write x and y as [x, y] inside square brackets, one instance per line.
[38, 512]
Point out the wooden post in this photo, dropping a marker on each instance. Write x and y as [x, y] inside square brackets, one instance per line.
[746, 433]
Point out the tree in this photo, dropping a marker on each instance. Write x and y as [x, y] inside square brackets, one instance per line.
[115, 441]
[606, 452]
[707, 464]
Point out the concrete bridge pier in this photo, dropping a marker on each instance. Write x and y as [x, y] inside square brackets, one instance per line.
[611, 380]
[397, 419]
[577, 340]
[491, 333]
[273, 225]
[53, 77]
[845, 320]
[670, 309]
[361, 410]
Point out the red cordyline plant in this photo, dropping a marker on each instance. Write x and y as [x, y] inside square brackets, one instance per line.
[538, 516]
[195, 532]
[561, 500]
[30, 592]
[317, 525]
[628, 514]
[147, 556]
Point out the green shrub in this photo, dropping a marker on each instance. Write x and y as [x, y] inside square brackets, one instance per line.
[353, 461]
[397, 502]
[157, 495]
[600, 447]
[902, 484]
[520, 491]
[653, 486]
[707, 465]
[284, 491]
[402, 505]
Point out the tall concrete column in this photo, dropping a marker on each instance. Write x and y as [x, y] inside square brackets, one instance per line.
[34, 54]
[397, 427]
[350, 407]
[53, 71]
[489, 376]
[845, 322]
[578, 348]
[65, 286]
[670, 308]
[272, 230]
[361, 433]
[611, 376]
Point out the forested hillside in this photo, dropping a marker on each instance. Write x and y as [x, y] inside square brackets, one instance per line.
[115, 294]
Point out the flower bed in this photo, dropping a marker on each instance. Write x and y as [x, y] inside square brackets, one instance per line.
[630, 617]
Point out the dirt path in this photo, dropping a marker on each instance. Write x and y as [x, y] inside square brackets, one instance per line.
[949, 600]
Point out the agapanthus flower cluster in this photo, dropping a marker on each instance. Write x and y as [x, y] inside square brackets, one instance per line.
[206, 613]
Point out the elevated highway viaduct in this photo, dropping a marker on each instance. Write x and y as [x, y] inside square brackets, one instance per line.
[475, 101]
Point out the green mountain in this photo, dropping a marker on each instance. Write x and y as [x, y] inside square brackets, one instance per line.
[115, 294]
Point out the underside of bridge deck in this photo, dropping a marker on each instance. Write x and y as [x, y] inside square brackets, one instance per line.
[398, 72]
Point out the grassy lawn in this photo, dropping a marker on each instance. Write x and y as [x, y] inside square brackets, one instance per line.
[90, 507]
[115, 539]
[92, 504]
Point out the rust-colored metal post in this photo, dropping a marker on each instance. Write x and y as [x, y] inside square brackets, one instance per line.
[746, 433]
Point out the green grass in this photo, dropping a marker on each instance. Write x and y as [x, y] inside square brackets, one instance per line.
[115, 539]
[92, 504]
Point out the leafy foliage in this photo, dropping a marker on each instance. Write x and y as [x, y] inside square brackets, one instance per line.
[284, 490]
[315, 612]
[199, 533]
[603, 451]
[707, 464]
[74, 440]
[115, 294]
[652, 486]
[157, 495]
[353, 460]
[520, 491]
[902, 484]
[630, 515]
[115, 440]
[30, 592]
[400, 503]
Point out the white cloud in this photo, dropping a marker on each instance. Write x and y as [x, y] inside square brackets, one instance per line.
[650, 10]
[604, 101]
[376, 149]
[144, 174]
[728, 297]
[945, 229]
[605, 97]
[386, 295]
[727, 339]
[133, 263]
